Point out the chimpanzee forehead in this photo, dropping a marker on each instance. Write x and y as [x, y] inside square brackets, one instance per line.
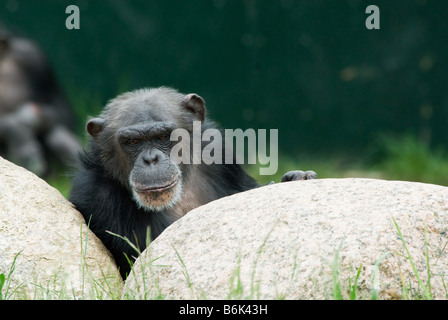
[148, 109]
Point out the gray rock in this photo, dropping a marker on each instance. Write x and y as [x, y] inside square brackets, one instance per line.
[47, 238]
[304, 240]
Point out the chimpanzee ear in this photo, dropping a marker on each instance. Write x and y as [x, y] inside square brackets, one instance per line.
[95, 126]
[194, 103]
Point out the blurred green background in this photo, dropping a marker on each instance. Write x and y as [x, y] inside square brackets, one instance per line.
[347, 101]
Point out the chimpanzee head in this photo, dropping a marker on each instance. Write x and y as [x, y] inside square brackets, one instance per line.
[133, 137]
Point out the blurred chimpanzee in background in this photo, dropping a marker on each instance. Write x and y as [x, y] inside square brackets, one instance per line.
[36, 120]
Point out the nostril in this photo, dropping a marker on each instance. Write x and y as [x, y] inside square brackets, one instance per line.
[150, 159]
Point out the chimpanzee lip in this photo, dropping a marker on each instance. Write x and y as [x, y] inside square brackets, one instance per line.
[157, 188]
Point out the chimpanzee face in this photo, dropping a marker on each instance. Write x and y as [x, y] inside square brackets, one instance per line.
[134, 136]
[154, 179]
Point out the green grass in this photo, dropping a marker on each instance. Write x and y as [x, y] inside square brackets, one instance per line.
[5, 281]
[407, 158]
[393, 157]
[56, 287]
[62, 182]
[423, 291]
[335, 167]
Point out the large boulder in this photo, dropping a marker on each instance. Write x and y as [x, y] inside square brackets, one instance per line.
[316, 239]
[46, 249]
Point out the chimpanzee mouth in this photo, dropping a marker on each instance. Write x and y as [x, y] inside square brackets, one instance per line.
[157, 188]
[162, 196]
[158, 198]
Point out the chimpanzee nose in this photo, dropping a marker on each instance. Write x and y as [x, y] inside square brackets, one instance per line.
[150, 158]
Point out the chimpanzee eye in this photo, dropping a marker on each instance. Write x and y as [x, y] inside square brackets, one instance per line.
[132, 142]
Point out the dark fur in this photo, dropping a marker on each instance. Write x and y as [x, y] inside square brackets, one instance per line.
[102, 195]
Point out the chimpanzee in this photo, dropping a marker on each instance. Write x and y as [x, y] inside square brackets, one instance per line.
[128, 181]
[36, 121]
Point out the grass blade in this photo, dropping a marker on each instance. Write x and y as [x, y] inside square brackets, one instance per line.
[427, 294]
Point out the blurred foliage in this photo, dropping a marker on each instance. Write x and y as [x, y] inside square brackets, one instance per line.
[62, 182]
[393, 157]
[408, 158]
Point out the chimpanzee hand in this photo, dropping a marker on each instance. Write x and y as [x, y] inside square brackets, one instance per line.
[299, 175]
